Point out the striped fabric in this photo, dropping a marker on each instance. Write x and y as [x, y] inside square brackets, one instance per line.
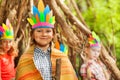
[26, 69]
[43, 63]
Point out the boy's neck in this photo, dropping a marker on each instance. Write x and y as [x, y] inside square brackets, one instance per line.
[44, 48]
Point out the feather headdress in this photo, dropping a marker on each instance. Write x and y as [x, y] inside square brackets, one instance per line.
[94, 40]
[42, 17]
[6, 31]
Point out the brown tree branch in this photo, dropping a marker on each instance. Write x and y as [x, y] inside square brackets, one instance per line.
[88, 3]
[110, 63]
[22, 8]
[72, 18]
[2, 10]
[78, 12]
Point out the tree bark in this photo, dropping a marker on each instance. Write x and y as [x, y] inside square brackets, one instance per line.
[2, 10]
[88, 3]
[22, 6]
[72, 18]
[110, 63]
[78, 12]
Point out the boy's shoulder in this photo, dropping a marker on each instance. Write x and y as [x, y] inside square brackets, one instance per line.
[58, 52]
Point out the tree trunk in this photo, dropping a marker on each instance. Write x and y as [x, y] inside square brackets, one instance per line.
[2, 10]
[110, 63]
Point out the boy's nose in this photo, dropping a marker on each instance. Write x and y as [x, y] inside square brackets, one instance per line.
[44, 33]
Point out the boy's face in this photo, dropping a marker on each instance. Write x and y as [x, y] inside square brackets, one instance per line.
[6, 44]
[43, 36]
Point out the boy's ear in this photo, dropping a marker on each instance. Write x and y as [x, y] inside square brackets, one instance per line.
[53, 35]
[32, 36]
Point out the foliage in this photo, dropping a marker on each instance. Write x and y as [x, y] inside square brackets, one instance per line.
[103, 17]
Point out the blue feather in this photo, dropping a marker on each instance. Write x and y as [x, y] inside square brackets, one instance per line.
[62, 47]
[36, 11]
[46, 11]
[1, 33]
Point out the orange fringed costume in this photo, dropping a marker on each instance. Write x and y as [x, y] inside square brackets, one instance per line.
[26, 69]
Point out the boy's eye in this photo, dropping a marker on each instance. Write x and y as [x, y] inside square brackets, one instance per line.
[48, 31]
[39, 30]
